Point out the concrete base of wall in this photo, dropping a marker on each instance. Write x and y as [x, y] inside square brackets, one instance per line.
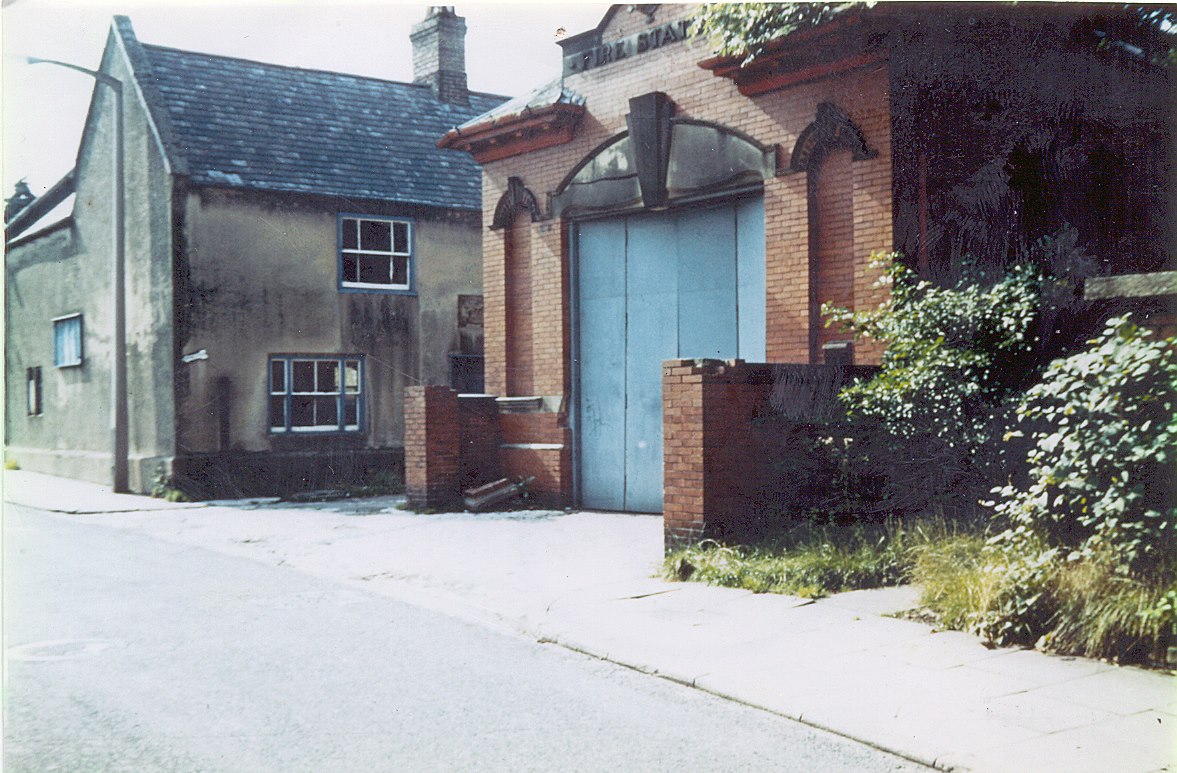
[242, 474]
[92, 466]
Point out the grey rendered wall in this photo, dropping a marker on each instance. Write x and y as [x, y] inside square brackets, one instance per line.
[68, 271]
[261, 278]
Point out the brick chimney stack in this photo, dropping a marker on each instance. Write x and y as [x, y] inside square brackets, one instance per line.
[439, 54]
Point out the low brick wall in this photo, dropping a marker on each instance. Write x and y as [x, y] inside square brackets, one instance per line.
[714, 461]
[726, 463]
[455, 442]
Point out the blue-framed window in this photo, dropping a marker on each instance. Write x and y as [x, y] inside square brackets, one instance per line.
[316, 394]
[375, 253]
[67, 341]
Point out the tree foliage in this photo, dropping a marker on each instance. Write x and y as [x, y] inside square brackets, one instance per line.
[744, 29]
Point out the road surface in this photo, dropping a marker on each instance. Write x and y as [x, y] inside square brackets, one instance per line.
[128, 653]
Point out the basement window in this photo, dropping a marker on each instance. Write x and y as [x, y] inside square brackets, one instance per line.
[316, 394]
[375, 253]
[67, 341]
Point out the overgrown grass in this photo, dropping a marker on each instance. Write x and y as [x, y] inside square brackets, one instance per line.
[1083, 607]
[809, 561]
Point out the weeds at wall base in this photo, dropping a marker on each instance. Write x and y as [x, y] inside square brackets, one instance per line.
[1082, 608]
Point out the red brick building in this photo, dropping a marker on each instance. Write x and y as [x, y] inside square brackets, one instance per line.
[651, 219]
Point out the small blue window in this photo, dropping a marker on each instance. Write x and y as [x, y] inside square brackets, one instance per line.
[67, 341]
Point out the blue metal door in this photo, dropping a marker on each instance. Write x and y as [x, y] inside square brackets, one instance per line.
[654, 287]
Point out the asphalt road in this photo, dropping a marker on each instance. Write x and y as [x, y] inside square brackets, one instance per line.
[126, 653]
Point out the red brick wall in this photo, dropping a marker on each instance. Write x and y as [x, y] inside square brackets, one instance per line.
[550, 466]
[773, 118]
[832, 216]
[432, 447]
[479, 438]
[716, 465]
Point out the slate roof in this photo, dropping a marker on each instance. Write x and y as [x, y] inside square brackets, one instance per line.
[246, 124]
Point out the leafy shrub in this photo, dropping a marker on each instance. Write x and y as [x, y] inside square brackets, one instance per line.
[164, 487]
[1104, 426]
[1085, 560]
[955, 357]
[947, 366]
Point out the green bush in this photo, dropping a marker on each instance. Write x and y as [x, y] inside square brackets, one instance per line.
[743, 29]
[955, 359]
[1104, 426]
[1084, 562]
[950, 353]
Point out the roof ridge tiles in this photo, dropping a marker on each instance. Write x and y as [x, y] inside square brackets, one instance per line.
[316, 70]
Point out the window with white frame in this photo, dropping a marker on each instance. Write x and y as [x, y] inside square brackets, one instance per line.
[316, 394]
[33, 385]
[67, 341]
[375, 253]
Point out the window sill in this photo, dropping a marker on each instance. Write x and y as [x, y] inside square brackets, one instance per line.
[355, 287]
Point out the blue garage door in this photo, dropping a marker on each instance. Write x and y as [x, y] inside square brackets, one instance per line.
[654, 287]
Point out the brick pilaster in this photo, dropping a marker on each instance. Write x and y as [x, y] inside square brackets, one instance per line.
[714, 461]
[432, 447]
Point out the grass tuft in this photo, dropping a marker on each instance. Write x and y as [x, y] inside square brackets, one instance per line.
[1083, 607]
[808, 561]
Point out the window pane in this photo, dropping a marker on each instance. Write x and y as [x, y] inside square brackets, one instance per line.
[303, 375]
[375, 235]
[348, 232]
[277, 412]
[327, 411]
[67, 342]
[374, 269]
[302, 411]
[328, 380]
[351, 376]
[34, 375]
[351, 416]
[400, 238]
[277, 375]
[400, 269]
[349, 267]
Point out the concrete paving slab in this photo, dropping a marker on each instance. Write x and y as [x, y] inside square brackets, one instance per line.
[62, 495]
[1134, 744]
[1037, 668]
[877, 601]
[1042, 713]
[1123, 690]
[940, 650]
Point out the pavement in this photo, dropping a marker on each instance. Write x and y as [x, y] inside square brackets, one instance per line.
[586, 581]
